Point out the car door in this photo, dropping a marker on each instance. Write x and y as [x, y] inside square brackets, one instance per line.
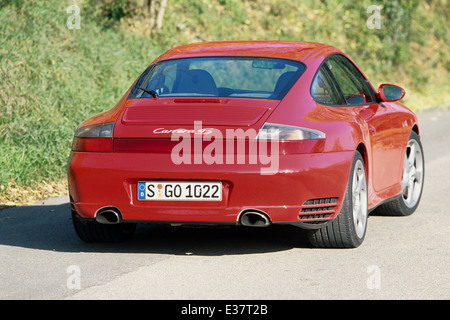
[376, 116]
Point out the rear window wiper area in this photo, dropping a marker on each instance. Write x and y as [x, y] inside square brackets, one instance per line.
[152, 92]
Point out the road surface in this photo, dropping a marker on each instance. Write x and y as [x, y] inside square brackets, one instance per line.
[401, 258]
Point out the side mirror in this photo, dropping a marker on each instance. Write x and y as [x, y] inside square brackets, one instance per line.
[390, 92]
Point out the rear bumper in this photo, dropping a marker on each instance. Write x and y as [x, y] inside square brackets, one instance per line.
[98, 180]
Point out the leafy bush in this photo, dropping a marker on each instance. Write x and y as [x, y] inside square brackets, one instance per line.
[116, 10]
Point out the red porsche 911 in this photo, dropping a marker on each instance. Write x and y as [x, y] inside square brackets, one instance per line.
[248, 133]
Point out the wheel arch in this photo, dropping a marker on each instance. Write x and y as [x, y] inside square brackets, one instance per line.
[361, 148]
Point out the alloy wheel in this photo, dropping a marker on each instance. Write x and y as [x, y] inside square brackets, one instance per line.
[412, 180]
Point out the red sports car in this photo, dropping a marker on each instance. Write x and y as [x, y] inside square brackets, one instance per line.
[248, 133]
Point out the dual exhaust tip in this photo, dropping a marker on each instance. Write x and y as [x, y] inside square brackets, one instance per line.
[249, 218]
[109, 215]
[254, 218]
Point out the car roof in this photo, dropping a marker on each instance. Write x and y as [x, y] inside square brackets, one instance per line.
[293, 50]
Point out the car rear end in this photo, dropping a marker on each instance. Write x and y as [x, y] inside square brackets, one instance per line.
[190, 152]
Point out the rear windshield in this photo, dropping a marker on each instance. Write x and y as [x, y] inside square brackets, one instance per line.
[240, 77]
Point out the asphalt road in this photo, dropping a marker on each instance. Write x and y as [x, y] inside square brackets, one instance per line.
[401, 258]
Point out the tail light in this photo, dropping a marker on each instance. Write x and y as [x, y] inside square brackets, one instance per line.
[280, 132]
[293, 139]
[95, 138]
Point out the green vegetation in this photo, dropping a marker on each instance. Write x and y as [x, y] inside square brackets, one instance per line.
[52, 78]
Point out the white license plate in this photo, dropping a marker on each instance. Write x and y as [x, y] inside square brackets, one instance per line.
[183, 191]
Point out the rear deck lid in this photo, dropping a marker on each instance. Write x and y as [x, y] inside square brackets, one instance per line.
[159, 118]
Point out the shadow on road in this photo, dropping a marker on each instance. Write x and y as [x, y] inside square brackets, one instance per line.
[49, 227]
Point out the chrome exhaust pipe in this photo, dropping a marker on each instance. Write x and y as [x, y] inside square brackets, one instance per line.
[108, 215]
[255, 219]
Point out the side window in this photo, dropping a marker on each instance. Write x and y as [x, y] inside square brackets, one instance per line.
[323, 89]
[351, 82]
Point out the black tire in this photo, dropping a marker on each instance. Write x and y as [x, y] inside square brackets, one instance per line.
[342, 232]
[398, 206]
[92, 231]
